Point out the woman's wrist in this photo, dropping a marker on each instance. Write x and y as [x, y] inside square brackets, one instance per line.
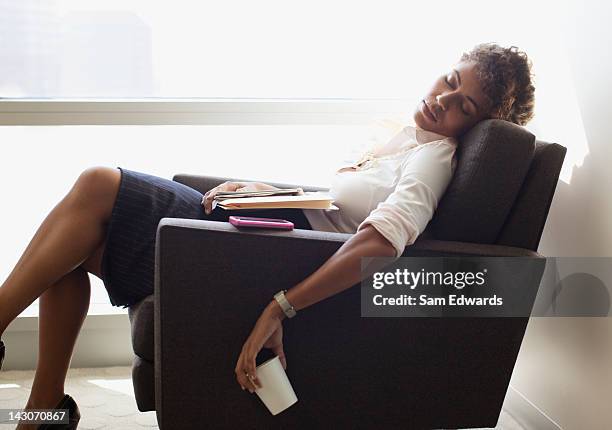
[275, 311]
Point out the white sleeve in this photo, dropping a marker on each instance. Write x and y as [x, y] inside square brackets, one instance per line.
[407, 210]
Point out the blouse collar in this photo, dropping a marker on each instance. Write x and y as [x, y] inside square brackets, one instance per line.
[422, 136]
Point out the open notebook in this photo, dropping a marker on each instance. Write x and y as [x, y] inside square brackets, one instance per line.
[274, 199]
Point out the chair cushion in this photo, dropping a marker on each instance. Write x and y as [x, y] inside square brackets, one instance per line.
[492, 161]
[141, 320]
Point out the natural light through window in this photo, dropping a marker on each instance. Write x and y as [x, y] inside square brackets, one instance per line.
[137, 49]
[276, 49]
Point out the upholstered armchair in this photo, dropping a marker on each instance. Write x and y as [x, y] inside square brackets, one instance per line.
[212, 282]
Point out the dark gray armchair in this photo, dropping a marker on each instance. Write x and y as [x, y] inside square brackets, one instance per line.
[212, 281]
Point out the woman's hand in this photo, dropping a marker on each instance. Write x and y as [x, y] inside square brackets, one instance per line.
[208, 198]
[267, 333]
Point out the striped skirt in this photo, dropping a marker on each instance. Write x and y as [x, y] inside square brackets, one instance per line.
[128, 261]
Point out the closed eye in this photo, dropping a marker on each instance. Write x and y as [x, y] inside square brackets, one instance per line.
[451, 87]
[447, 82]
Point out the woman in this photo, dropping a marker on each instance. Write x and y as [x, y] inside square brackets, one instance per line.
[106, 224]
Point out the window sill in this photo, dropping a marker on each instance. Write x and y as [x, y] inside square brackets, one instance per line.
[197, 111]
[104, 340]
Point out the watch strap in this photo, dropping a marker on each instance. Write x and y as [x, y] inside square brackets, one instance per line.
[284, 303]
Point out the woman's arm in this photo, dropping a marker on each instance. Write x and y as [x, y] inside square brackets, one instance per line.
[394, 224]
[411, 205]
[341, 271]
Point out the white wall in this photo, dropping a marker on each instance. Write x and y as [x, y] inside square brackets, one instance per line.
[565, 364]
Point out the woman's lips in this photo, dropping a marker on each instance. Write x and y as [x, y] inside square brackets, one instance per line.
[427, 112]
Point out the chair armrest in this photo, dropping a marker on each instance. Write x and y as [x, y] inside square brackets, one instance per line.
[204, 183]
[211, 283]
[421, 247]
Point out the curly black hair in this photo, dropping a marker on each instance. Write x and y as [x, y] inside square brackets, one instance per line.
[505, 74]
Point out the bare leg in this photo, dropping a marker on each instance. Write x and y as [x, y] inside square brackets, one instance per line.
[53, 267]
[72, 231]
[63, 308]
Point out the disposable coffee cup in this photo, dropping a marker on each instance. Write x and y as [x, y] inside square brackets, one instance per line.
[276, 391]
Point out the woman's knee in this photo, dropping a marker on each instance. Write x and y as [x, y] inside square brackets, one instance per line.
[97, 187]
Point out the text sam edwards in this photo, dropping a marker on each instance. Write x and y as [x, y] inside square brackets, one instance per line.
[425, 300]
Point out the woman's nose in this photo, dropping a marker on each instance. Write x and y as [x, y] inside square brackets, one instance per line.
[445, 99]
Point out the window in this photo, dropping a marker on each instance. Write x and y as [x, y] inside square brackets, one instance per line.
[272, 49]
[263, 49]
[136, 61]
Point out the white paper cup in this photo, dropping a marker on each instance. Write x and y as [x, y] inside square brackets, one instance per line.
[276, 391]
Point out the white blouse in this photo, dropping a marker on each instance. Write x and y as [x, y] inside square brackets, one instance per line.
[395, 186]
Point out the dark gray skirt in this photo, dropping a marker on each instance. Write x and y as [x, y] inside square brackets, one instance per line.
[128, 261]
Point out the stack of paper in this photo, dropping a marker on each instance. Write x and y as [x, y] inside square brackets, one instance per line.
[275, 199]
[223, 195]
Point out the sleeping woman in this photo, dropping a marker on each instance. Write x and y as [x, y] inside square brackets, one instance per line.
[106, 224]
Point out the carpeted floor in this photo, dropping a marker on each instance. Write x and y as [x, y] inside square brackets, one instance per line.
[105, 396]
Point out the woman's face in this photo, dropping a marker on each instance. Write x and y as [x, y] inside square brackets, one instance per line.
[454, 103]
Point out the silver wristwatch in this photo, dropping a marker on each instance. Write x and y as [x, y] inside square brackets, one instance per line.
[284, 303]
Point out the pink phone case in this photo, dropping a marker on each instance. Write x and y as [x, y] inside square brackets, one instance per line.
[247, 221]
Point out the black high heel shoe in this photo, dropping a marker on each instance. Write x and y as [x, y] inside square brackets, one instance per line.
[74, 415]
[1, 353]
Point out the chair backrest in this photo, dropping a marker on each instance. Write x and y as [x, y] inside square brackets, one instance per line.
[525, 223]
[502, 187]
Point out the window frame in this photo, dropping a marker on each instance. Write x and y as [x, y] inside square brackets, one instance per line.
[24, 112]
